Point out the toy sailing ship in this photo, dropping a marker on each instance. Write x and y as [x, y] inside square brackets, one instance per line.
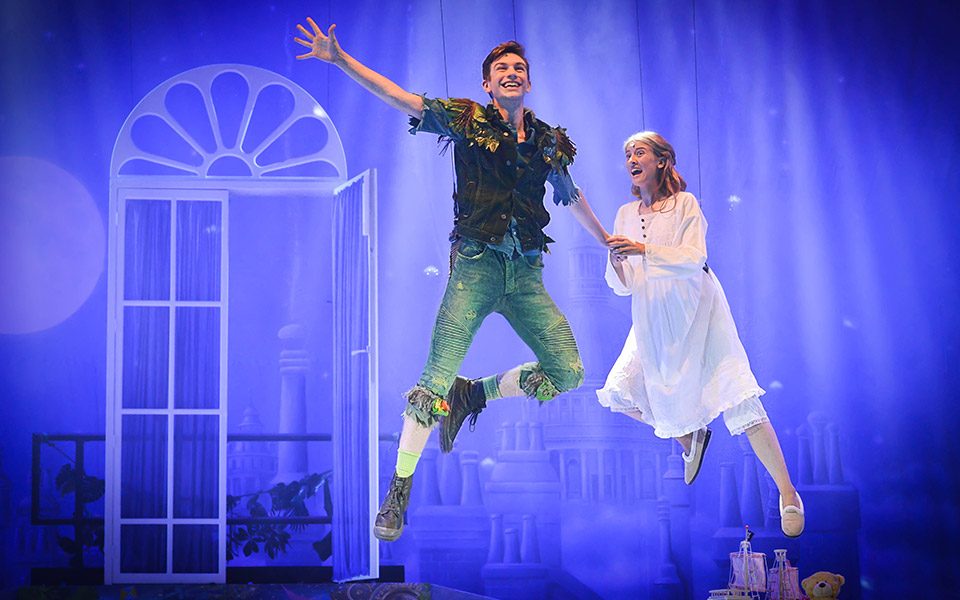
[783, 580]
[750, 578]
[748, 573]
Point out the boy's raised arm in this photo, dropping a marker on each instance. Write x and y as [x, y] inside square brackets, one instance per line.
[325, 47]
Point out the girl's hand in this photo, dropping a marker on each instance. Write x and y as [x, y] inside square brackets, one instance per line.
[623, 246]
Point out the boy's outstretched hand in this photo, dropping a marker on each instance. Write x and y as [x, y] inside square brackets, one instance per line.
[322, 47]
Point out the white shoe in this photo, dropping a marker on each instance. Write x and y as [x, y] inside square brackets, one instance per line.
[792, 518]
[693, 461]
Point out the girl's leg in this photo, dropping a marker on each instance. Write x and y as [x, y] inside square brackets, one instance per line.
[694, 446]
[765, 444]
[684, 441]
[750, 417]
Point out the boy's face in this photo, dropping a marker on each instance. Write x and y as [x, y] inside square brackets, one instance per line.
[509, 80]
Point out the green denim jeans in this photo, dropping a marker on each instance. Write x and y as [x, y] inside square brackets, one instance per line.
[483, 281]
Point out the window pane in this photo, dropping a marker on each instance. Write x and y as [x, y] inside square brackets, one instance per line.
[198, 358]
[198, 250]
[195, 549]
[143, 492]
[143, 548]
[146, 257]
[146, 356]
[196, 466]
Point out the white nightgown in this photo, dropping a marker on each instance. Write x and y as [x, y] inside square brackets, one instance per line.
[683, 363]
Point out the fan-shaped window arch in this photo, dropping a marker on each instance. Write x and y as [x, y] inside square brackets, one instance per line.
[191, 121]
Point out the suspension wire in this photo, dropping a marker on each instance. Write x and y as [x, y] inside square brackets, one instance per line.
[328, 69]
[446, 94]
[443, 43]
[696, 96]
[514, 4]
[643, 112]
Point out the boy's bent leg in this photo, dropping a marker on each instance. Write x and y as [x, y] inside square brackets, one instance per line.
[537, 320]
[559, 369]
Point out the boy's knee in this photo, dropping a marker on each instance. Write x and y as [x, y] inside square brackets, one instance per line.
[571, 379]
[570, 376]
[546, 386]
[425, 406]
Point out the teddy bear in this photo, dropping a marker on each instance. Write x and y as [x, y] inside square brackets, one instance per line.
[822, 585]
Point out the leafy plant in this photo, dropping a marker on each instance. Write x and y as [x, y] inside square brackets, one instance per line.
[88, 489]
[286, 500]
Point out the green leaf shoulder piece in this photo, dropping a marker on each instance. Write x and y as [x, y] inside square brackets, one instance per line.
[469, 121]
[566, 149]
[558, 149]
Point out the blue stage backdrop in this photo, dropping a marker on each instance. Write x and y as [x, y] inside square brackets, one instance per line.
[821, 138]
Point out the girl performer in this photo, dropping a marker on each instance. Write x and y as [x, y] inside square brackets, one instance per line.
[683, 363]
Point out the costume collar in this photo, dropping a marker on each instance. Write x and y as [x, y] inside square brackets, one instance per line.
[529, 119]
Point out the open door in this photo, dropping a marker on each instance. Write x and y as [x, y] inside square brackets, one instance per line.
[355, 392]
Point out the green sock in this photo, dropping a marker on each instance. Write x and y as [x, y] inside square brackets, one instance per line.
[491, 387]
[406, 463]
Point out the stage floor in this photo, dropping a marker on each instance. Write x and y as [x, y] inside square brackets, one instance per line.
[295, 591]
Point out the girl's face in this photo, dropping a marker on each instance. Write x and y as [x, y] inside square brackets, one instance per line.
[642, 165]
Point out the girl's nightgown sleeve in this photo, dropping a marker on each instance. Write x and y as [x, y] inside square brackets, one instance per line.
[620, 288]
